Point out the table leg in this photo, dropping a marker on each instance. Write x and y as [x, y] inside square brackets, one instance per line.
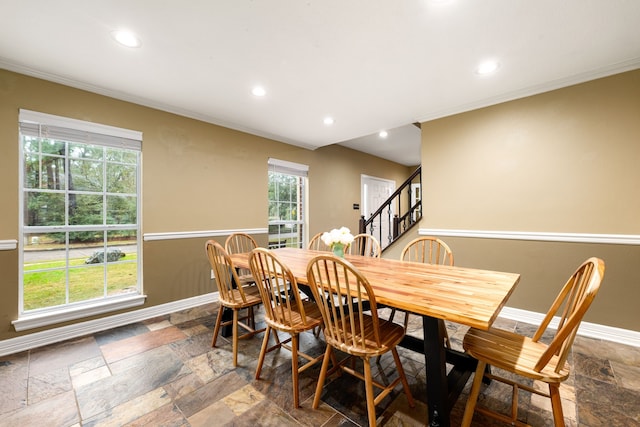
[435, 362]
[227, 331]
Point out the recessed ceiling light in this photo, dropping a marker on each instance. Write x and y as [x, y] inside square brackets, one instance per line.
[258, 91]
[383, 134]
[126, 38]
[328, 121]
[487, 67]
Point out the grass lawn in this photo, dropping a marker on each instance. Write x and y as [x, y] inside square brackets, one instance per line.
[45, 283]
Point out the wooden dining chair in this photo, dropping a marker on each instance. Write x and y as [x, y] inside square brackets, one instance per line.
[427, 250]
[348, 329]
[530, 357]
[233, 295]
[285, 310]
[365, 245]
[316, 244]
[241, 243]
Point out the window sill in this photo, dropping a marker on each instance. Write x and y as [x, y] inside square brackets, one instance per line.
[50, 317]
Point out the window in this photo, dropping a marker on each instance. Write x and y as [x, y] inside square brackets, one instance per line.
[287, 204]
[80, 210]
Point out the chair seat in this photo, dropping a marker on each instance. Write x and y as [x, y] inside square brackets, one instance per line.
[514, 353]
[390, 335]
[251, 294]
[292, 322]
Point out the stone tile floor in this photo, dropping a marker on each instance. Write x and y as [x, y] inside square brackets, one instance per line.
[164, 372]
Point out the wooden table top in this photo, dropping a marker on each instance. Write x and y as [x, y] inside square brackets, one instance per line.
[463, 295]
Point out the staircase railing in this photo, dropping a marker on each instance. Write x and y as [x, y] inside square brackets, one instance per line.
[399, 213]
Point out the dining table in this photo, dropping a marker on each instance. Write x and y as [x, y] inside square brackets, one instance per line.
[468, 296]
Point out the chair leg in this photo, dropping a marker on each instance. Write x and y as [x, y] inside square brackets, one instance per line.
[263, 351]
[323, 374]
[556, 405]
[392, 315]
[294, 369]
[216, 329]
[235, 338]
[403, 378]
[444, 333]
[368, 385]
[251, 321]
[473, 395]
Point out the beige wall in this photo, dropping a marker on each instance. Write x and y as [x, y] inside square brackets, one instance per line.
[562, 162]
[196, 177]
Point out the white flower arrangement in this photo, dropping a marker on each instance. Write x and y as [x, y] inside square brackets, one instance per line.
[337, 237]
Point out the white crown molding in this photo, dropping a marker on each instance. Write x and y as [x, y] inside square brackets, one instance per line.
[615, 239]
[147, 237]
[561, 83]
[586, 76]
[51, 336]
[8, 245]
[145, 102]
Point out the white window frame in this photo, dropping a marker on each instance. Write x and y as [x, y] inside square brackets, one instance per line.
[40, 124]
[302, 171]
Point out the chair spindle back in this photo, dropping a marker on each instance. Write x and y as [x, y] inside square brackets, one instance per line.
[428, 250]
[342, 294]
[366, 245]
[225, 274]
[279, 291]
[570, 305]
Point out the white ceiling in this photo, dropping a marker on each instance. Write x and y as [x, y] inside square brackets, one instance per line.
[369, 64]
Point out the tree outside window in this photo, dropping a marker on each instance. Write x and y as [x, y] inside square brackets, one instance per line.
[80, 221]
[286, 209]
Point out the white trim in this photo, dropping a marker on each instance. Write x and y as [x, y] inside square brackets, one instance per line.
[146, 102]
[8, 245]
[614, 239]
[287, 164]
[49, 317]
[582, 77]
[51, 336]
[585, 76]
[592, 330]
[66, 122]
[147, 237]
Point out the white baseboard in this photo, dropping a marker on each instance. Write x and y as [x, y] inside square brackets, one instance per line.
[51, 336]
[586, 329]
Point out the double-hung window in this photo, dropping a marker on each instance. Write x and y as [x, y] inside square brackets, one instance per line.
[287, 204]
[80, 219]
